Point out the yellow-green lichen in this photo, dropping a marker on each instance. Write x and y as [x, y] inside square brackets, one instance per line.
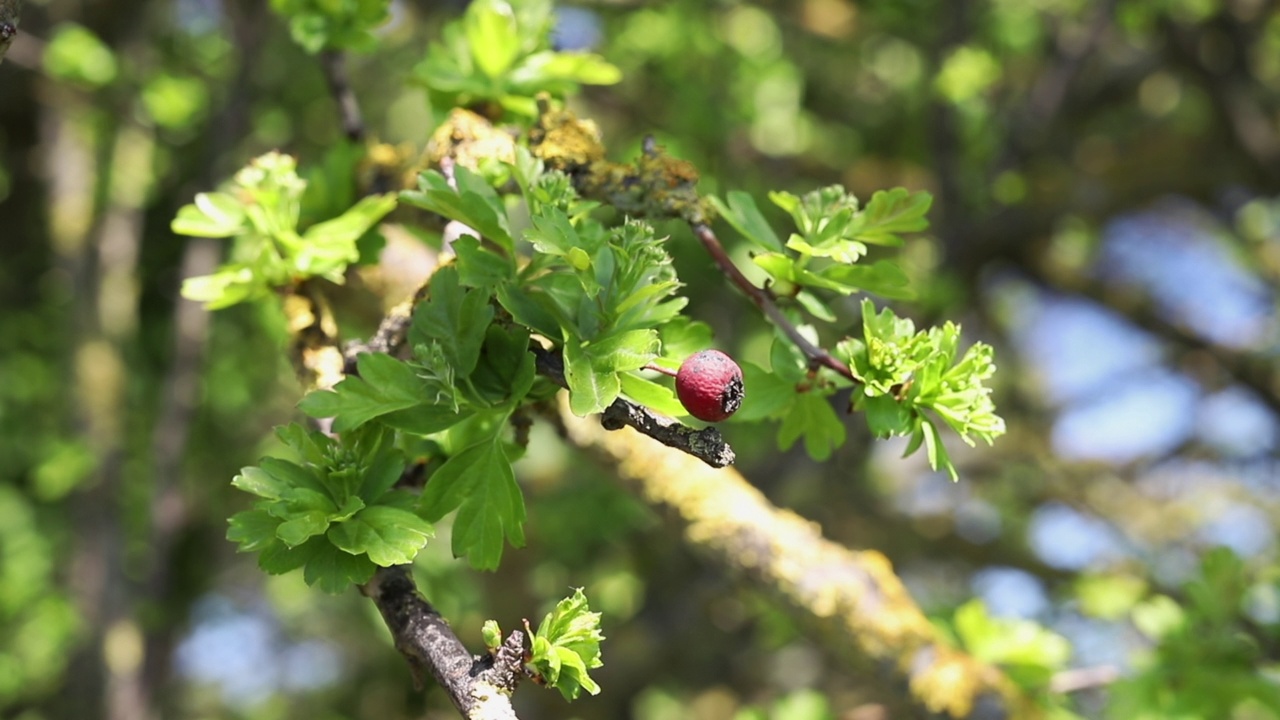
[853, 597]
[470, 139]
[655, 186]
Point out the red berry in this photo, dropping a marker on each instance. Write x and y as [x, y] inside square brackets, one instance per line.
[709, 385]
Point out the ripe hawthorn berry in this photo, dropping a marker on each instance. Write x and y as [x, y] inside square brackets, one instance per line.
[709, 385]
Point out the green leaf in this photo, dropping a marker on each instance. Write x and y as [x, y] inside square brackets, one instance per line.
[1008, 641]
[455, 318]
[815, 306]
[741, 212]
[384, 385]
[212, 215]
[883, 278]
[320, 24]
[566, 646]
[425, 419]
[770, 394]
[479, 267]
[252, 530]
[474, 203]
[786, 272]
[302, 527]
[561, 72]
[886, 416]
[527, 309]
[652, 395]
[381, 475]
[333, 570]
[936, 451]
[480, 484]
[328, 247]
[259, 482]
[350, 507]
[296, 477]
[311, 445]
[1158, 616]
[812, 418]
[278, 558]
[232, 283]
[388, 535]
[506, 370]
[892, 212]
[624, 351]
[682, 337]
[839, 249]
[492, 36]
[590, 390]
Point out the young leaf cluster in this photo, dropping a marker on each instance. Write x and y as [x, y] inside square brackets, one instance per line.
[499, 57]
[260, 208]
[333, 24]
[904, 373]
[832, 235]
[464, 380]
[1027, 651]
[1207, 660]
[334, 512]
[605, 294]
[566, 646]
[903, 378]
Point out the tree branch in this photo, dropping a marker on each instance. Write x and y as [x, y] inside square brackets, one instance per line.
[764, 300]
[707, 444]
[334, 65]
[1077, 679]
[853, 598]
[480, 686]
[1254, 371]
[10, 11]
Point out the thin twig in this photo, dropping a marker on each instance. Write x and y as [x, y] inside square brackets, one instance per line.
[707, 444]
[335, 74]
[1253, 370]
[1077, 679]
[764, 300]
[1049, 92]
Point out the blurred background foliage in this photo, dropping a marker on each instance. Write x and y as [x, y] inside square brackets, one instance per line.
[1105, 174]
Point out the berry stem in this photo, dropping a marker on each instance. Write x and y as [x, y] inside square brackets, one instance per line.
[764, 300]
[659, 369]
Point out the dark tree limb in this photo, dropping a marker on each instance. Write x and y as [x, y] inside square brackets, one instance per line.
[480, 686]
[389, 338]
[1049, 92]
[1256, 372]
[335, 75]
[1232, 89]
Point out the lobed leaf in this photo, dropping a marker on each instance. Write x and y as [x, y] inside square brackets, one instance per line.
[480, 484]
